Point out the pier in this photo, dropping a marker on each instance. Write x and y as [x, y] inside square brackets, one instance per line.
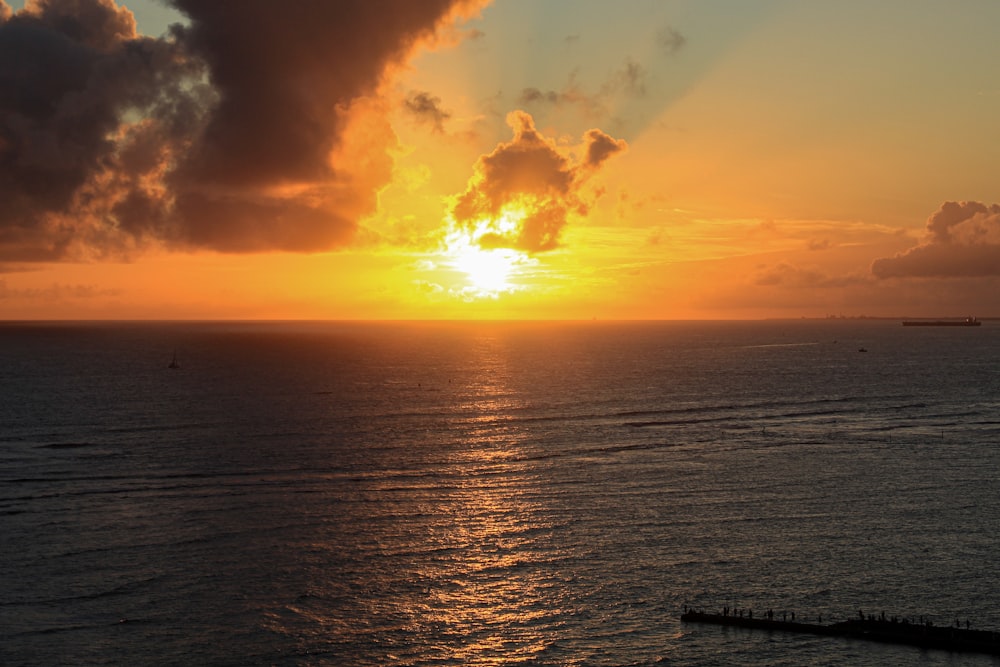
[967, 322]
[879, 629]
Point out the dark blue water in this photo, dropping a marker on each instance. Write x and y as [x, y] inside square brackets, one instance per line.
[485, 494]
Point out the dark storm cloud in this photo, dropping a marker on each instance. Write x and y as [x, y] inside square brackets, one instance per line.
[250, 128]
[293, 80]
[530, 176]
[962, 240]
[69, 71]
[285, 74]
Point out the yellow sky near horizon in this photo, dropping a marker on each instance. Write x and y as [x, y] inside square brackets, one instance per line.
[572, 160]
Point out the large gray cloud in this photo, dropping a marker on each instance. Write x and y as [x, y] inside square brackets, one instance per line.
[69, 72]
[962, 240]
[236, 132]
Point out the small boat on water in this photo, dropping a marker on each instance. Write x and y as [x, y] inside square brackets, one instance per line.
[173, 362]
[967, 322]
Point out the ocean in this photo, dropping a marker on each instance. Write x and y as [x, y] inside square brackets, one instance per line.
[331, 493]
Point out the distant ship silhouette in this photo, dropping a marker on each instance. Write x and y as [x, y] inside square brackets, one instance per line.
[173, 362]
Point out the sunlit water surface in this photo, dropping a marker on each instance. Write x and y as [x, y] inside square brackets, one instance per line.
[487, 494]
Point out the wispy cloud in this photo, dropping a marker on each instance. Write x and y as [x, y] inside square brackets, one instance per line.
[427, 109]
[670, 40]
[629, 79]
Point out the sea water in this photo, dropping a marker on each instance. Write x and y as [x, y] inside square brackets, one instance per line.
[491, 493]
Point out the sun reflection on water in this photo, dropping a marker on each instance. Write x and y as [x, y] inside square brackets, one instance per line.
[450, 559]
[489, 596]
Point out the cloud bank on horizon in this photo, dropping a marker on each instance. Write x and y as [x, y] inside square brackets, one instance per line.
[962, 241]
[254, 127]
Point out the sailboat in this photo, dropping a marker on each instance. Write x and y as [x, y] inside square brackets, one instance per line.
[173, 362]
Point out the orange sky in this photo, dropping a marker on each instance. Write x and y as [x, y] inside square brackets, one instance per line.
[566, 159]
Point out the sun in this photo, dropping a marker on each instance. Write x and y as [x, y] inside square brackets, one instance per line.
[488, 271]
[484, 256]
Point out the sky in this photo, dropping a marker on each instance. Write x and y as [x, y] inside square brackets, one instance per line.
[514, 159]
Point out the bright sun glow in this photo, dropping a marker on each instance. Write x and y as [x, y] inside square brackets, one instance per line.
[489, 271]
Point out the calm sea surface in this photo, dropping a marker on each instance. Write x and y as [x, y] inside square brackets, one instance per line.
[491, 494]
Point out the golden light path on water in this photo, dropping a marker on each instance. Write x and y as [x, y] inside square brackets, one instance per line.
[496, 599]
[484, 577]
